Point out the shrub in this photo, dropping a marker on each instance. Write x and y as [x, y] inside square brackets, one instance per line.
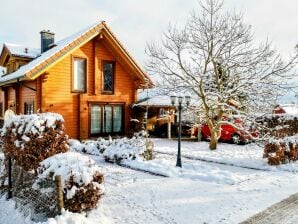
[282, 125]
[29, 139]
[81, 179]
[129, 148]
[282, 151]
[114, 150]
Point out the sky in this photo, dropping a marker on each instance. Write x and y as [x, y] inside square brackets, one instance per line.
[138, 22]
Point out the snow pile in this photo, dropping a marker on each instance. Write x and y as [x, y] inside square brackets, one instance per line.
[29, 139]
[200, 172]
[69, 218]
[81, 179]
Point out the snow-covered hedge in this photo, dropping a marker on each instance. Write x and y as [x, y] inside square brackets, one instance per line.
[282, 151]
[81, 179]
[90, 147]
[30, 139]
[282, 125]
[114, 150]
[126, 148]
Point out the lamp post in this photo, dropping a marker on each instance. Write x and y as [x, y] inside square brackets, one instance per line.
[180, 101]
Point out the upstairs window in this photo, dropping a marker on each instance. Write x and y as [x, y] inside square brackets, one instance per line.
[29, 107]
[79, 75]
[108, 77]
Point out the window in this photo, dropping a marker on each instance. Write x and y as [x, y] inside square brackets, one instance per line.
[29, 107]
[108, 77]
[79, 75]
[106, 119]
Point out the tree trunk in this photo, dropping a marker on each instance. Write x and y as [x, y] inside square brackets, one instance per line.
[214, 135]
[213, 140]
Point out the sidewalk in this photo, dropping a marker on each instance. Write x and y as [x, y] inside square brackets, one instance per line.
[284, 212]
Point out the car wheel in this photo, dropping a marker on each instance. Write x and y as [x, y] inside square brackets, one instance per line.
[236, 139]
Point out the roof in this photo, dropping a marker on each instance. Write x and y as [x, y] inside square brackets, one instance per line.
[290, 108]
[62, 48]
[22, 51]
[155, 101]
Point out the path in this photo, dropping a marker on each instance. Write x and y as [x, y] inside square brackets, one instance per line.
[284, 212]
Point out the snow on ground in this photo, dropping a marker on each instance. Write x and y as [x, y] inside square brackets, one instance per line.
[198, 171]
[250, 156]
[200, 192]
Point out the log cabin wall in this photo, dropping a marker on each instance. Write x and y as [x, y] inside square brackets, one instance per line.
[11, 98]
[27, 95]
[57, 96]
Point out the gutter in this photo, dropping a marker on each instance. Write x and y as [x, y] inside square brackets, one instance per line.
[22, 84]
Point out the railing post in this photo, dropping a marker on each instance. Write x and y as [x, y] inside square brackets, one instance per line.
[59, 193]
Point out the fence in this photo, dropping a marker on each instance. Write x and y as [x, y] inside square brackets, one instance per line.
[40, 202]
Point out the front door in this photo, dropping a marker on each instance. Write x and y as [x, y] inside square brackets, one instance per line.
[106, 119]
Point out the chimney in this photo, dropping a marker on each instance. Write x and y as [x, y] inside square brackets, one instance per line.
[47, 39]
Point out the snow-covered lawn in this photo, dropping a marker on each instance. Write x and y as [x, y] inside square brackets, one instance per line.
[200, 192]
[249, 156]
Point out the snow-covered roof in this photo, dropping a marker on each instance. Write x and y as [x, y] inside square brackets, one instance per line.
[155, 101]
[291, 109]
[63, 47]
[22, 51]
[20, 73]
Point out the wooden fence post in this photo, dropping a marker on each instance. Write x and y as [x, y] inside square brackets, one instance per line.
[9, 178]
[59, 193]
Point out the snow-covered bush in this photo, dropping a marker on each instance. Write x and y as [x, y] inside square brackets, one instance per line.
[81, 179]
[115, 150]
[282, 151]
[90, 146]
[282, 125]
[29, 139]
[126, 148]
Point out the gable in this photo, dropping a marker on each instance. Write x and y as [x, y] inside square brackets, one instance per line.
[65, 47]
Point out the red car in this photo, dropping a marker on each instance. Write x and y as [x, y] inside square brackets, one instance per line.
[230, 133]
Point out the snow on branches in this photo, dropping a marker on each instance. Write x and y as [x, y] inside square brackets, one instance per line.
[214, 58]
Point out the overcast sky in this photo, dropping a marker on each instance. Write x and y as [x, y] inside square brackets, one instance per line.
[137, 22]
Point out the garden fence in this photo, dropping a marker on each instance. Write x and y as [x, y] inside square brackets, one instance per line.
[37, 203]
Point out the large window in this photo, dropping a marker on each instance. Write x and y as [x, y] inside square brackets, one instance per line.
[79, 75]
[108, 76]
[29, 107]
[106, 119]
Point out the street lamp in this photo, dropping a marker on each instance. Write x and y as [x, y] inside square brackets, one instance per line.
[180, 101]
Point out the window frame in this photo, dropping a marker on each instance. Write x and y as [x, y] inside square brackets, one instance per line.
[103, 62]
[73, 90]
[30, 103]
[102, 105]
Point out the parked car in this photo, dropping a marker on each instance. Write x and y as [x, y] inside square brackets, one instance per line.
[230, 133]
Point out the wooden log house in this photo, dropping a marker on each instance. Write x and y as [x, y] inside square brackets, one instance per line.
[89, 78]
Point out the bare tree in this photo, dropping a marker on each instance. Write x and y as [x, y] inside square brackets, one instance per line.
[215, 58]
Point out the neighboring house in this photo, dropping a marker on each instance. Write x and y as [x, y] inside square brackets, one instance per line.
[290, 109]
[88, 77]
[160, 114]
